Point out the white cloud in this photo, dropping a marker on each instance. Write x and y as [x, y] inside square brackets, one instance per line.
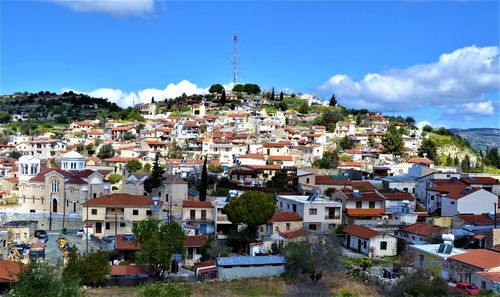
[460, 77]
[113, 7]
[124, 99]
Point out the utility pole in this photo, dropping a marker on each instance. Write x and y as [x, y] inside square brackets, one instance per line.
[236, 59]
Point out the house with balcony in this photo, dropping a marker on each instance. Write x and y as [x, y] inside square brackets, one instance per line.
[319, 215]
[361, 206]
[199, 215]
[280, 222]
[117, 213]
[419, 233]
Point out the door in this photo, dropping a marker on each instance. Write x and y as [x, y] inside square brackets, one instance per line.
[98, 227]
[74, 206]
[359, 245]
[54, 205]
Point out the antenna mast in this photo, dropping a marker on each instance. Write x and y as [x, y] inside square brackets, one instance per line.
[236, 59]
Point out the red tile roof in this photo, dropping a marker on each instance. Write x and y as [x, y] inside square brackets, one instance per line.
[11, 180]
[120, 159]
[252, 156]
[265, 167]
[76, 180]
[480, 180]
[196, 204]
[281, 158]
[365, 212]
[117, 270]
[9, 271]
[195, 241]
[352, 164]
[482, 219]
[120, 199]
[361, 231]
[492, 276]
[293, 234]
[422, 229]
[398, 196]
[126, 245]
[362, 185]
[328, 180]
[122, 128]
[286, 216]
[363, 195]
[484, 259]
[420, 161]
[38, 178]
[274, 144]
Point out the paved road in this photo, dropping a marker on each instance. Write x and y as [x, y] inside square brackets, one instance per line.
[53, 255]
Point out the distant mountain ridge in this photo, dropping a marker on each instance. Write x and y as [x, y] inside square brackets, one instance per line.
[480, 138]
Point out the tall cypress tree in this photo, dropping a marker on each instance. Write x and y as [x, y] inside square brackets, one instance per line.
[204, 182]
[281, 96]
[223, 97]
[272, 94]
[333, 100]
[156, 178]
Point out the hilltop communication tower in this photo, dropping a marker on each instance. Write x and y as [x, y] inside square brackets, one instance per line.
[236, 59]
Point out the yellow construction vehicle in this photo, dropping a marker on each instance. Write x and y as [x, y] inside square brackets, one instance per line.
[62, 242]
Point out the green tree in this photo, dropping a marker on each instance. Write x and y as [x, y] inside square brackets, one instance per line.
[333, 100]
[393, 141]
[216, 88]
[147, 168]
[115, 178]
[90, 148]
[281, 179]
[156, 178]
[410, 121]
[330, 160]
[215, 168]
[492, 158]
[4, 117]
[159, 241]
[90, 270]
[346, 143]
[252, 209]
[466, 164]
[456, 161]
[316, 255]
[61, 119]
[449, 160]
[371, 141]
[304, 108]
[420, 284]
[134, 166]
[251, 89]
[427, 128]
[223, 97]
[204, 182]
[167, 290]
[287, 121]
[429, 148]
[238, 88]
[37, 279]
[272, 94]
[128, 136]
[15, 154]
[106, 151]
[282, 96]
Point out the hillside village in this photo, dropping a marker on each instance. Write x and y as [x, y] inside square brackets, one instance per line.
[391, 196]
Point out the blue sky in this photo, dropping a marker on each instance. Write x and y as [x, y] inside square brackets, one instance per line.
[437, 61]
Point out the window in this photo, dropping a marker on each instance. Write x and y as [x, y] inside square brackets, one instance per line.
[159, 194]
[148, 212]
[294, 207]
[452, 202]
[203, 214]
[108, 226]
[312, 227]
[166, 197]
[135, 212]
[122, 224]
[94, 211]
[33, 200]
[55, 186]
[192, 214]
[331, 226]
[287, 226]
[405, 190]
[307, 180]
[364, 244]
[359, 204]
[313, 211]
[371, 204]
[432, 197]
[383, 245]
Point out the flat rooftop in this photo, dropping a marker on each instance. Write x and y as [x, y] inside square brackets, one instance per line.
[303, 199]
[432, 249]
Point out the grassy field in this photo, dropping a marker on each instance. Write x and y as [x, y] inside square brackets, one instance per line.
[272, 287]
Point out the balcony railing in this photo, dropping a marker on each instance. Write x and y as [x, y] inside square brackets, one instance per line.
[332, 217]
[113, 218]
